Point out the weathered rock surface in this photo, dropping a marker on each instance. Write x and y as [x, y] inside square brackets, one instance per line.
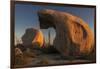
[73, 35]
[32, 37]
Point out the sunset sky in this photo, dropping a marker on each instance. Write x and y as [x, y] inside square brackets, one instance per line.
[26, 17]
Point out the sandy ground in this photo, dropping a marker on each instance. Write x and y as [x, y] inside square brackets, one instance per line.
[38, 58]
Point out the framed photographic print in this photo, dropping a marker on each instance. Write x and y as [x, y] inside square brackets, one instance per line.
[50, 34]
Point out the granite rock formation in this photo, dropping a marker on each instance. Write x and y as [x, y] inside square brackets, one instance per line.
[32, 37]
[73, 35]
[18, 56]
[18, 52]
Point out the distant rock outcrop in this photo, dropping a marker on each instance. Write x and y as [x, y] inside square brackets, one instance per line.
[17, 40]
[73, 35]
[32, 37]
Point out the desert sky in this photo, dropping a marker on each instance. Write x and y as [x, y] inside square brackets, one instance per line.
[26, 17]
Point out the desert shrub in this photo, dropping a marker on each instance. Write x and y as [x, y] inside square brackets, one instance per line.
[20, 46]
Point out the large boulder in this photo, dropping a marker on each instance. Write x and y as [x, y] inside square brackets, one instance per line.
[73, 35]
[32, 37]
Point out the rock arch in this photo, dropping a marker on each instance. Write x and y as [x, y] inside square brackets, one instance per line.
[73, 35]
